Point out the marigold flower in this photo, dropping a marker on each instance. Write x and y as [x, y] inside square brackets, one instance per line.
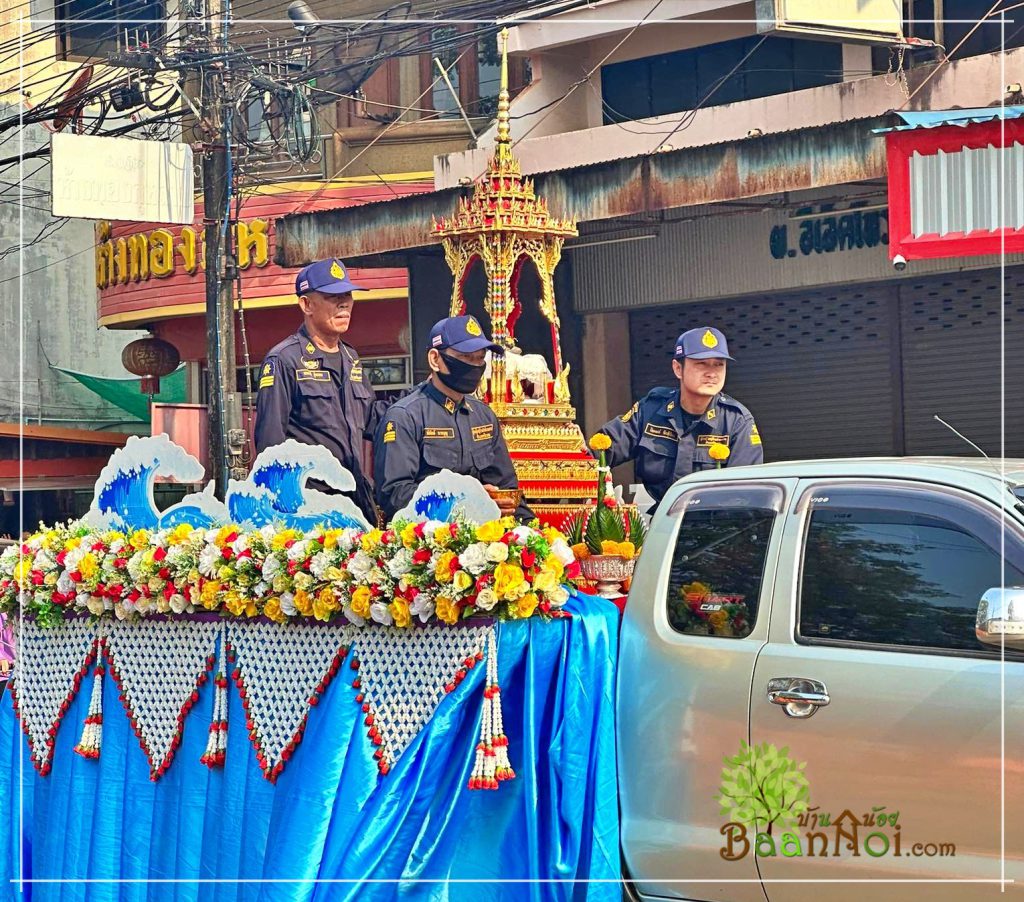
[581, 551]
[718, 451]
[600, 442]
[208, 596]
[443, 536]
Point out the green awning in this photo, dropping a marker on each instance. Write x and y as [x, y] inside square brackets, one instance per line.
[124, 391]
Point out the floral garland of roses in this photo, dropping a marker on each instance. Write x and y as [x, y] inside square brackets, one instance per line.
[426, 571]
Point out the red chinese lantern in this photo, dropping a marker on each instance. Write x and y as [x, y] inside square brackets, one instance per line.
[150, 358]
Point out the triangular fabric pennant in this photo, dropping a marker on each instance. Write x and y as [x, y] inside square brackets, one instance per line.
[51, 663]
[404, 674]
[158, 666]
[281, 670]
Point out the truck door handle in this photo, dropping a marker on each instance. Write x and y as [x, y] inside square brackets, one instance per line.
[799, 696]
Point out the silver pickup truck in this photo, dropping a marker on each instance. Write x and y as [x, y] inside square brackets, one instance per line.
[821, 685]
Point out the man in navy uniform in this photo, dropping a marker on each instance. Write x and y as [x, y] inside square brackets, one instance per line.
[312, 387]
[437, 427]
[670, 431]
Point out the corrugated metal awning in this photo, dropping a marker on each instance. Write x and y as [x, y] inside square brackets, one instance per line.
[936, 118]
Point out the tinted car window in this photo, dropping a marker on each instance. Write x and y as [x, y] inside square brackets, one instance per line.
[719, 559]
[899, 568]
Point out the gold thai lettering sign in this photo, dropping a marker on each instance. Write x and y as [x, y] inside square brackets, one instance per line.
[160, 253]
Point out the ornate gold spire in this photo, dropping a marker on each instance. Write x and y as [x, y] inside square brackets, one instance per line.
[504, 142]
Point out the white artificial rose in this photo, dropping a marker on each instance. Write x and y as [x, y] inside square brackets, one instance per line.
[486, 599]
[380, 613]
[120, 611]
[95, 606]
[240, 544]
[298, 551]
[522, 533]
[319, 564]
[288, 604]
[360, 565]
[178, 604]
[163, 605]
[474, 558]
[401, 563]
[422, 607]
[65, 584]
[561, 550]
[271, 566]
[352, 616]
[209, 560]
[268, 532]
[557, 596]
[497, 552]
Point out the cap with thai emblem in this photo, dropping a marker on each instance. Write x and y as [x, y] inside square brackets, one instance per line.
[702, 343]
[327, 276]
[461, 333]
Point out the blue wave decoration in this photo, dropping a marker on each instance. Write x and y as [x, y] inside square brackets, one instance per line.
[437, 505]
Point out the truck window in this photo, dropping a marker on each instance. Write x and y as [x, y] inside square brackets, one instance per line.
[900, 567]
[719, 558]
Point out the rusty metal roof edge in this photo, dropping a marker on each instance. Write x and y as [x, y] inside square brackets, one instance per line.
[750, 167]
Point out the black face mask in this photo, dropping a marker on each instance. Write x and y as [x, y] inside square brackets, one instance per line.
[461, 376]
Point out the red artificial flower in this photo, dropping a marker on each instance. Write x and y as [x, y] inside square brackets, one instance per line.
[289, 543]
[246, 553]
[159, 554]
[115, 591]
[507, 538]
[119, 562]
[609, 501]
[483, 581]
[453, 565]
[419, 529]
[226, 553]
[528, 558]
[98, 546]
[453, 529]
[421, 556]
[231, 538]
[37, 578]
[168, 591]
[388, 536]
[572, 571]
[76, 577]
[26, 550]
[134, 595]
[291, 567]
[60, 558]
[164, 573]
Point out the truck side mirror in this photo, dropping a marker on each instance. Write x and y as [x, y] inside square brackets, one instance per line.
[1001, 618]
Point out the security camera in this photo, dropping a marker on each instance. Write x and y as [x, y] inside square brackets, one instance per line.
[900, 262]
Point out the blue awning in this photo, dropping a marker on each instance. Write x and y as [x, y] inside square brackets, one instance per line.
[934, 118]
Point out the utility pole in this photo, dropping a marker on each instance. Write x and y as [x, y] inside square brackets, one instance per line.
[226, 436]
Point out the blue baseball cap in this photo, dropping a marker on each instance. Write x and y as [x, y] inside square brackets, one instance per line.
[702, 343]
[328, 276]
[461, 333]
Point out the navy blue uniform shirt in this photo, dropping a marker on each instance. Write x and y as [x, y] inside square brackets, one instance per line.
[667, 443]
[426, 432]
[318, 398]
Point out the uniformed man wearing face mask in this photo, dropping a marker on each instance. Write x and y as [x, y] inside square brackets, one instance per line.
[438, 427]
[312, 387]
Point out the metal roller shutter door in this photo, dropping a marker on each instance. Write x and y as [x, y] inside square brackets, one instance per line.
[951, 361]
[814, 367]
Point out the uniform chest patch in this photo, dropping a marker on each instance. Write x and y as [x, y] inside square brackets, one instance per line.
[661, 432]
[267, 375]
[312, 376]
[483, 433]
[356, 374]
[311, 364]
[389, 433]
[706, 441]
[438, 432]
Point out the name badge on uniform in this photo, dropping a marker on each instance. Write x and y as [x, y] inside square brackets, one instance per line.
[483, 433]
[356, 375]
[661, 432]
[389, 433]
[314, 375]
[438, 432]
[706, 441]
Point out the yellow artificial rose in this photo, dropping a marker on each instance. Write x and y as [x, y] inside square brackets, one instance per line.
[446, 610]
[72, 543]
[490, 532]
[361, 601]
[334, 574]
[508, 523]
[545, 581]
[600, 442]
[22, 569]
[50, 579]
[235, 603]
[507, 578]
[718, 451]
[179, 534]
[370, 540]
[400, 612]
[224, 533]
[331, 538]
[272, 609]
[283, 538]
[208, 596]
[442, 536]
[138, 541]
[551, 535]
[325, 604]
[461, 581]
[526, 605]
[193, 575]
[443, 570]
[409, 535]
[303, 602]
[553, 565]
[251, 610]
[303, 580]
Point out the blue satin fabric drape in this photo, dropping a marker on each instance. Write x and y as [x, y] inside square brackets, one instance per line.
[416, 834]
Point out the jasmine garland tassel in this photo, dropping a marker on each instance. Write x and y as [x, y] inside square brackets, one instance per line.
[92, 732]
[491, 764]
[217, 741]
